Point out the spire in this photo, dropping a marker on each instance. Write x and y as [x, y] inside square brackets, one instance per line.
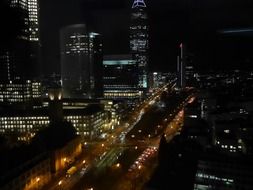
[139, 3]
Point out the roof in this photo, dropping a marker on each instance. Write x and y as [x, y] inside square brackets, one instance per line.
[138, 3]
[89, 110]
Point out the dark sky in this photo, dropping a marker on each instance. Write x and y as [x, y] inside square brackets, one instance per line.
[194, 22]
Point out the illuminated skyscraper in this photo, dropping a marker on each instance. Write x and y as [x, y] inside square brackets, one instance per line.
[33, 18]
[30, 9]
[96, 64]
[74, 43]
[139, 43]
[34, 35]
[81, 62]
[21, 59]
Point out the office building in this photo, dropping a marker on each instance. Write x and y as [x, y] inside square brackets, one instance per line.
[115, 111]
[96, 64]
[139, 43]
[157, 79]
[33, 18]
[223, 172]
[24, 124]
[34, 37]
[19, 91]
[120, 78]
[74, 46]
[81, 62]
[24, 49]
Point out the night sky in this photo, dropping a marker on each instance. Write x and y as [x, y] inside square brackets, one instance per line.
[196, 22]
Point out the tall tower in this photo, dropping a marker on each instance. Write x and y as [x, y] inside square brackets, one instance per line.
[23, 52]
[81, 62]
[74, 45]
[33, 18]
[181, 64]
[96, 64]
[34, 36]
[139, 43]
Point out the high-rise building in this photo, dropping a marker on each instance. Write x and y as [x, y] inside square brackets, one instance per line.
[120, 77]
[30, 16]
[181, 64]
[139, 43]
[34, 36]
[96, 62]
[24, 49]
[33, 18]
[81, 62]
[74, 44]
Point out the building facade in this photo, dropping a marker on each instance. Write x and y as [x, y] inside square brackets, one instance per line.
[139, 43]
[96, 64]
[24, 124]
[20, 91]
[74, 45]
[120, 78]
[81, 58]
[23, 50]
[37, 170]
[38, 174]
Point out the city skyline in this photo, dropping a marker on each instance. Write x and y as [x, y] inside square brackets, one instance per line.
[171, 22]
[126, 94]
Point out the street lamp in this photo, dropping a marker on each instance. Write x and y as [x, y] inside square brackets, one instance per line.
[37, 181]
[60, 184]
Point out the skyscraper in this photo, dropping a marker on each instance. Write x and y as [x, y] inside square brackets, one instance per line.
[74, 44]
[181, 64]
[30, 9]
[19, 59]
[34, 36]
[139, 43]
[96, 62]
[33, 18]
[81, 62]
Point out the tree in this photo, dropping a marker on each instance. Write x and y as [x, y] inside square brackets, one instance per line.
[162, 149]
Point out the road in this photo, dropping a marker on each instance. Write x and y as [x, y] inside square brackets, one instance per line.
[109, 162]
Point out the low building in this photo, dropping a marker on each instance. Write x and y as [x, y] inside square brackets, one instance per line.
[89, 122]
[114, 110]
[29, 174]
[31, 166]
[64, 156]
[24, 124]
[224, 172]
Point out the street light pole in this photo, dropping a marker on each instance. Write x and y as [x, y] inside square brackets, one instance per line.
[37, 182]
